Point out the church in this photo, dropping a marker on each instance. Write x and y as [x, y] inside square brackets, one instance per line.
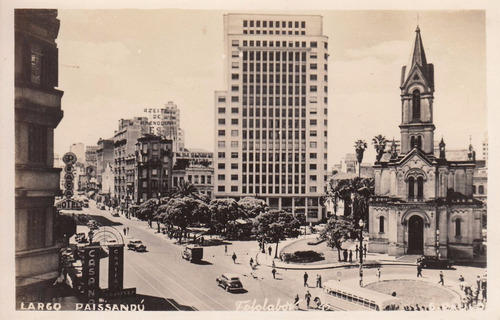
[423, 202]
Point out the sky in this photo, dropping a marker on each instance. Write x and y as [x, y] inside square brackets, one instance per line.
[115, 63]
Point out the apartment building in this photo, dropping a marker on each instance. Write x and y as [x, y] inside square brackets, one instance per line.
[271, 120]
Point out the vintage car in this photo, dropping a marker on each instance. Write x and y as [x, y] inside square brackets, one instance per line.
[92, 224]
[433, 262]
[229, 282]
[192, 253]
[136, 245]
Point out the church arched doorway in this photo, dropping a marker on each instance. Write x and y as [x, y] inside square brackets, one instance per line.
[416, 235]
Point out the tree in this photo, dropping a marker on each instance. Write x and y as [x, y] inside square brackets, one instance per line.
[222, 211]
[379, 143]
[180, 212]
[337, 231]
[355, 193]
[252, 207]
[147, 210]
[360, 147]
[185, 189]
[275, 225]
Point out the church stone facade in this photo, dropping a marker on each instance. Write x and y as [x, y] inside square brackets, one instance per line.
[423, 201]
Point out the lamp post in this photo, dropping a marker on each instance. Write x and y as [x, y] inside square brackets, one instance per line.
[437, 244]
[361, 225]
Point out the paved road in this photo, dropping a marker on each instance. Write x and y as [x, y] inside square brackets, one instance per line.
[161, 272]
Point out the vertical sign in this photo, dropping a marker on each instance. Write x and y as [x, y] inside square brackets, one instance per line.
[115, 271]
[69, 159]
[90, 274]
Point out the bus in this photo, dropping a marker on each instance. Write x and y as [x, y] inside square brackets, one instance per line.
[364, 299]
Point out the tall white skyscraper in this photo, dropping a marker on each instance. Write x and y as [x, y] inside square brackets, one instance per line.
[271, 121]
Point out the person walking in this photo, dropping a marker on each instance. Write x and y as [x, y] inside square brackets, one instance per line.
[270, 250]
[273, 265]
[350, 255]
[124, 231]
[319, 281]
[251, 263]
[128, 231]
[364, 250]
[225, 249]
[419, 271]
[296, 302]
[305, 279]
[345, 255]
[234, 257]
[274, 273]
[357, 251]
[378, 274]
[441, 278]
[308, 299]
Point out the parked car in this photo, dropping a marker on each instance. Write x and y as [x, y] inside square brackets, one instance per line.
[85, 204]
[136, 245]
[229, 282]
[433, 262]
[192, 253]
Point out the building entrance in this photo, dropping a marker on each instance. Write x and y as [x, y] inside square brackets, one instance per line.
[415, 235]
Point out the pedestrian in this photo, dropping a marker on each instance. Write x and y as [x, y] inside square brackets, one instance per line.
[478, 282]
[296, 302]
[251, 263]
[319, 281]
[308, 299]
[364, 250]
[274, 264]
[357, 251]
[202, 239]
[378, 274]
[124, 231]
[305, 279]
[225, 249]
[350, 255]
[441, 278]
[345, 255]
[419, 271]
[270, 250]
[128, 231]
[274, 273]
[234, 257]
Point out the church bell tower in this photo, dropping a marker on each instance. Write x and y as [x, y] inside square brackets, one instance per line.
[417, 89]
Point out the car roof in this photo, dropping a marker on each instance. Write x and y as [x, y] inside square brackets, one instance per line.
[231, 275]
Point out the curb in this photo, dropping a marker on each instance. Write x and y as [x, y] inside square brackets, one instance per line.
[343, 266]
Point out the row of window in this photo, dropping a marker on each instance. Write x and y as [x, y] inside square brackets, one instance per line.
[284, 156]
[271, 56]
[271, 134]
[153, 184]
[275, 67]
[256, 79]
[235, 144]
[196, 179]
[291, 111]
[269, 178]
[250, 123]
[291, 102]
[277, 44]
[269, 189]
[273, 24]
[235, 166]
[276, 89]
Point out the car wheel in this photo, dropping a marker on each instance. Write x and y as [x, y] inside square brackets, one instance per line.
[227, 288]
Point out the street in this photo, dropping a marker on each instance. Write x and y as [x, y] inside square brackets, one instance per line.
[161, 272]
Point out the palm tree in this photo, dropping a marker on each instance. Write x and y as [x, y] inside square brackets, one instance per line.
[379, 143]
[185, 189]
[360, 147]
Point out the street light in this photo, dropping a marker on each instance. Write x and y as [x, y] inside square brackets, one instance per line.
[361, 225]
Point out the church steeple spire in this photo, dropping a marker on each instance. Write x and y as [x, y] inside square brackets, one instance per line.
[418, 51]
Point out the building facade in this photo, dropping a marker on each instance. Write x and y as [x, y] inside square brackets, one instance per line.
[196, 167]
[79, 150]
[423, 201]
[271, 119]
[125, 138]
[104, 156]
[153, 168]
[37, 114]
